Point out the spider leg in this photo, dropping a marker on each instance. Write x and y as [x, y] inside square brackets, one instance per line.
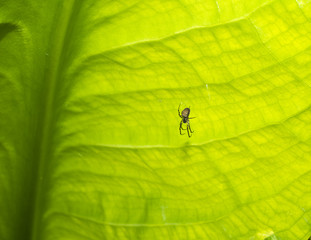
[188, 126]
[179, 111]
[191, 118]
[180, 128]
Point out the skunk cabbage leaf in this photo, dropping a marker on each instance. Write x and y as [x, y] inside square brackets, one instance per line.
[90, 147]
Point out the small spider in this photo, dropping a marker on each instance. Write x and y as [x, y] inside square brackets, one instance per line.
[185, 119]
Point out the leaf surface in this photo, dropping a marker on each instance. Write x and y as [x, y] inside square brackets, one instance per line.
[89, 140]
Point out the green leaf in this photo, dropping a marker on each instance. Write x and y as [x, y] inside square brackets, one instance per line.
[90, 146]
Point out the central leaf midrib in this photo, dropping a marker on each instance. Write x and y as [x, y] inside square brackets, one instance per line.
[52, 75]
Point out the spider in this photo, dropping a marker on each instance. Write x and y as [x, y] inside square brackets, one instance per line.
[185, 119]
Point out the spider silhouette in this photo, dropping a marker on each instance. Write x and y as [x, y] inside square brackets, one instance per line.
[185, 119]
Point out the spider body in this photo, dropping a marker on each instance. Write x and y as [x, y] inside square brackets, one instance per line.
[185, 114]
[185, 119]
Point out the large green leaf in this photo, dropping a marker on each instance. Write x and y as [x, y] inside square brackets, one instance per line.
[89, 142]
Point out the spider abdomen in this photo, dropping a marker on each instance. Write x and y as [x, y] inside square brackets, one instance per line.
[185, 113]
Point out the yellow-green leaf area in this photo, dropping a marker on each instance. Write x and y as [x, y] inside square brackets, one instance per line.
[95, 86]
